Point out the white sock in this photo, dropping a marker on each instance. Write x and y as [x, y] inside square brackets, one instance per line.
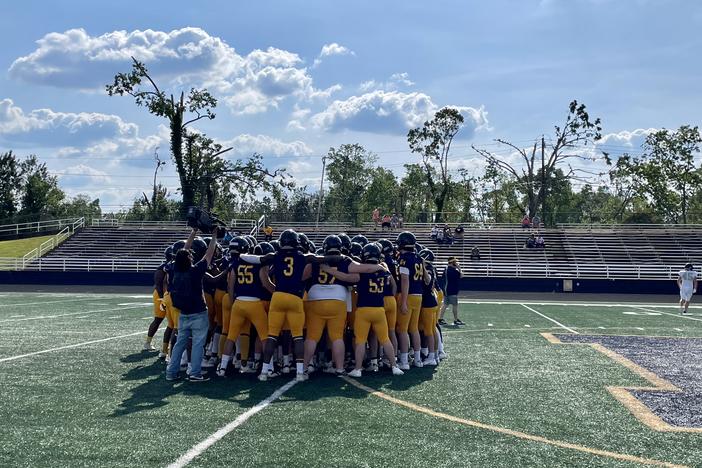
[287, 359]
[225, 361]
[425, 351]
[431, 356]
[417, 356]
[403, 358]
[266, 368]
[257, 357]
[300, 367]
[238, 346]
[214, 346]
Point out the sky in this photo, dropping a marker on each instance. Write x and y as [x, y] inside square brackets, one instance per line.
[294, 78]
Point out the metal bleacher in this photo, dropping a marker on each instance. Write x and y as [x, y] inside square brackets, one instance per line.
[608, 252]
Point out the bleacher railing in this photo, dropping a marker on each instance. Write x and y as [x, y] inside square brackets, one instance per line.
[469, 268]
[38, 226]
[115, 222]
[51, 243]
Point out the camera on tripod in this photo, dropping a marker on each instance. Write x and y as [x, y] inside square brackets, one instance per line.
[205, 222]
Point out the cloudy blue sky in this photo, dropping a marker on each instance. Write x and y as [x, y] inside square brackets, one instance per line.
[296, 77]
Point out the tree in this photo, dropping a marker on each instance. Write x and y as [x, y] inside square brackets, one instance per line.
[40, 192]
[382, 192]
[577, 131]
[415, 196]
[180, 113]
[432, 142]
[10, 177]
[665, 174]
[81, 205]
[349, 173]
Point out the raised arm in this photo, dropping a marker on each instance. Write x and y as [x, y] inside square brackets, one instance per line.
[191, 238]
[209, 254]
[355, 267]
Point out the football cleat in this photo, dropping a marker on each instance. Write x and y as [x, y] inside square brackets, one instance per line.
[329, 370]
[300, 377]
[213, 361]
[371, 368]
[285, 369]
[429, 362]
[148, 347]
[340, 372]
[198, 378]
[162, 355]
[250, 369]
[442, 321]
[458, 322]
[397, 371]
[404, 367]
[355, 373]
[442, 355]
[417, 363]
[221, 371]
[206, 363]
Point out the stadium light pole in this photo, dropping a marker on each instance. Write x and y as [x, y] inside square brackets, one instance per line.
[321, 192]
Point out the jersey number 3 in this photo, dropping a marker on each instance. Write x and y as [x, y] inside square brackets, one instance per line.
[289, 261]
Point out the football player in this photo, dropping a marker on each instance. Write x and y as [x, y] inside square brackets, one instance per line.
[246, 284]
[411, 288]
[371, 308]
[390, 303]
[687, 283]
[430, 307]
[159, 306]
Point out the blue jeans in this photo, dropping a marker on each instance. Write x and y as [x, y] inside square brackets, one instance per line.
[195, 326]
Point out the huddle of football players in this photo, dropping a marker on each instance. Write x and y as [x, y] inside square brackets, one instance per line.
[350, 306]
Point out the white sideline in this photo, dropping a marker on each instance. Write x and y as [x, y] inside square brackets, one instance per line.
[77, 345]
[194, 452]
[578, 304]
[552, 320]
[69, 314]
[668, 313]
[51, 302]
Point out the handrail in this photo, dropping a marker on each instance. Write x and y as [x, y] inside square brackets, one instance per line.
[37, 226]
[258, 226]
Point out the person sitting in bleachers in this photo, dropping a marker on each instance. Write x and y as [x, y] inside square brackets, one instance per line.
[386, 223]
[540, 243]
[434, 232]
[448, 237]
[440, 236]
[475, 253]
[526, 222]
[536, 222]
[530, 242]
[459, 232]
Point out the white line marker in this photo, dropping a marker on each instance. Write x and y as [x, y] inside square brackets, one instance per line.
[17, 316]
[136, 303]
[22, 304]
[639, 328]
[527, 326]
[77, 345]
[39, 317]
[197, 450]
[578, 304]
[672, 315]
[490, 325]
[601, 328]
[549, 318]
[146, 318]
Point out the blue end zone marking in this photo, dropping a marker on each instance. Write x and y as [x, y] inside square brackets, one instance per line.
[678, 360]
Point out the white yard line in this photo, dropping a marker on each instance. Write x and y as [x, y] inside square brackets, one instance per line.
[22, 304]
[579, 304]
[668, 313]
[77, 345]
[197, 450]
[39, 317]
[549, 318]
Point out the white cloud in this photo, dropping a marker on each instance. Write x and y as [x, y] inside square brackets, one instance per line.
[81, 175]
[329, 50]
[390, 112]
[395, 82]
[626, 139]
[265, 145]
[45, 127]
[183, 57]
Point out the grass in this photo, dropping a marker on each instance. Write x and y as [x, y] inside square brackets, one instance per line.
[108, 404]
[18, 248]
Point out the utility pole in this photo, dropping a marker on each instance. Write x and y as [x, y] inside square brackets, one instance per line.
[543, 179]
[321, 192]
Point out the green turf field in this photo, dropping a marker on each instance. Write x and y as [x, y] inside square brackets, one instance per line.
[77, 391]
[19, 247]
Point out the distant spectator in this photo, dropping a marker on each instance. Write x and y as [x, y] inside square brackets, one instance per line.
[536, 221]
[440, 236]
[386, 222]
[395, 221]
[459, 232]
[453, 276]
[434, 232]
[448, 236]
[530, 242]
[475, 253]
[540, 243]
[400, 222]
[376, 219]
[268, 232]
[526, 222]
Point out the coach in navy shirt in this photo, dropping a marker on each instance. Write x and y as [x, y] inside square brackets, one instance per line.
[452, 276]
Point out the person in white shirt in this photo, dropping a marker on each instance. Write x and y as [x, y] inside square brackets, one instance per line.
[687, 283]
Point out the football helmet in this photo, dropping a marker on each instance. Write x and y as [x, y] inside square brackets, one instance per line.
[263, 248]
[332, 244]
[386, 246]
[427, 255]
[406, 240]
[168, 253]
[289, 238]
[304, 246]
[363, 240]
[370, 253]
[199, 248]
[238, 245]
[177, 245]
[356, 249]
[345, 243]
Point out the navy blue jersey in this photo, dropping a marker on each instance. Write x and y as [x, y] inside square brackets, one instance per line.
[371, 289]
[428, 294]
[394, 269]
[413, 263]
[321, 277]
[169, 268]
[247, 281]
[288, 266]
[453, 278]
[161, 267]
